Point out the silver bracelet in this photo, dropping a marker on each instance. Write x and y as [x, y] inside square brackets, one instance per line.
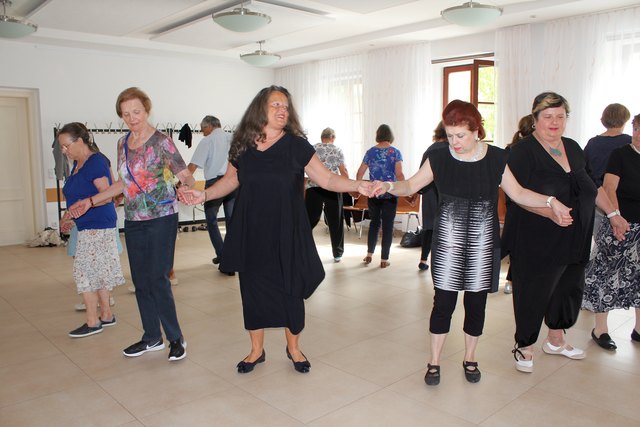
[391, 186]
[549, 199]
[612, 214]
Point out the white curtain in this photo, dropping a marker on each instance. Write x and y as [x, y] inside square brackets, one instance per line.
[355, 94]
[513, 77]
[397, 85]
[591, 60]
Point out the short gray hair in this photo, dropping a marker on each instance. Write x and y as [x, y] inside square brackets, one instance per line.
[210, 121]
[327, 133]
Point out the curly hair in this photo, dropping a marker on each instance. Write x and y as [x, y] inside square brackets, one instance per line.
[251, 127]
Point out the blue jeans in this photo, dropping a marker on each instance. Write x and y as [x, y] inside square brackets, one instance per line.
[382, 212]
[150, 246]
[211, 209]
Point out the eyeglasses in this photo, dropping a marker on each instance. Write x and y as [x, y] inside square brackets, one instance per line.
[279, 106]
[66, 146]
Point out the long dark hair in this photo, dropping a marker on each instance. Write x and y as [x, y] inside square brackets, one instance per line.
[76, 131]
[251, 127]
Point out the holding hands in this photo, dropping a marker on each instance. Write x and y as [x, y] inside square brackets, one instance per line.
[190, 196]
[561, 214]
[79, 208]
[620, 226]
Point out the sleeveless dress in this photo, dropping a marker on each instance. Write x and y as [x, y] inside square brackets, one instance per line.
[269, 239]
[465, 253]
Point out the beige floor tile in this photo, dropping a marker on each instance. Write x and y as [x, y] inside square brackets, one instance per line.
[366, 336]
[377, 360]
[387, 408]
[36, 378]
[86, 405]
[153, 389]
[233, 407]
[542, 408]
[454, 395]
[309, 396]
[590, 383]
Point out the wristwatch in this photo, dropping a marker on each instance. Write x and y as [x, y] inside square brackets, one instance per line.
[612, 214]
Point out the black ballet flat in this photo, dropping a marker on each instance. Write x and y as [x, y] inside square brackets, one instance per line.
[302, 367]
[246, 367]
[471, 375]
[432, 377]
[604, 340]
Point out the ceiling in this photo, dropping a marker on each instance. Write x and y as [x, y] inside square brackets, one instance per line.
[300, 30]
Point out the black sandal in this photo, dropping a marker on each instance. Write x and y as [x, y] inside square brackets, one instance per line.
[472, 375]
[432, 377]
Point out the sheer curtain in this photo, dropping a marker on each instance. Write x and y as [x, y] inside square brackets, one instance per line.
[355, 94]
[513, 76]
[592, 60]
[397, 85]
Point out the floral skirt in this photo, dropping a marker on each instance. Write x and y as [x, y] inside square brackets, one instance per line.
[97, 264]
[613, 275]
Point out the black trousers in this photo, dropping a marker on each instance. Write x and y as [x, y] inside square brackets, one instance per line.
[444, 303]
[427, 239]
[550, 293]
[382, 213]
[317, 200]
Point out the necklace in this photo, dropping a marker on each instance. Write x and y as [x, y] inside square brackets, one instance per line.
[272, 139]
[634, 148]
[475, 157]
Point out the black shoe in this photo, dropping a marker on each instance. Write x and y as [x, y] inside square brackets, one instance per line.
[228, 273]
[423, 266]
[472, 375]
[85, 330]
[107, 323]
[432, 377]
[246, 367]
[177, 349]
[604, 340]
[635, 336]
[216, 260]
[302, 367]
[141, 347]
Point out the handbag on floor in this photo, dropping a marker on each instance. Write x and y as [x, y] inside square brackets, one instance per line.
[412, 239]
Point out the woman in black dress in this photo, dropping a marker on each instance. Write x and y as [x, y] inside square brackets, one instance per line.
[466, 247]
[269, 240]
[548, 262]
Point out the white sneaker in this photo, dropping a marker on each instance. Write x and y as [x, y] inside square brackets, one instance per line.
[522, 364]
[131, 288]
[174, 281]
[574, 353]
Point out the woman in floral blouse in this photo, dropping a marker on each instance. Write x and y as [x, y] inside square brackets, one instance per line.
[147, 162]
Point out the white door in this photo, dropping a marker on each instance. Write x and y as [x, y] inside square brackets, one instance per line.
[17, 220]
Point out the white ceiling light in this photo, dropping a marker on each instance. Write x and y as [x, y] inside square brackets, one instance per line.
[471, 14]
[11, 27]
[260, 58]
[241, 19]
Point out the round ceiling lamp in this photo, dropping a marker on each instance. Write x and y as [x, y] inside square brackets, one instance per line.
[241, 19]
[260, 58]
[13, 28]
[472, 14]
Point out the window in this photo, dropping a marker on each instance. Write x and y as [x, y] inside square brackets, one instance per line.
[474, 83]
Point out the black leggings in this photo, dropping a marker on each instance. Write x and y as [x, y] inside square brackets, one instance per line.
[444, 302]
[427, 239]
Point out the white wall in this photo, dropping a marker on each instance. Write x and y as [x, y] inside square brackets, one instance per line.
[82, 85]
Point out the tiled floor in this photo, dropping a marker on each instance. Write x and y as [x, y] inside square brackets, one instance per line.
[366, 337]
